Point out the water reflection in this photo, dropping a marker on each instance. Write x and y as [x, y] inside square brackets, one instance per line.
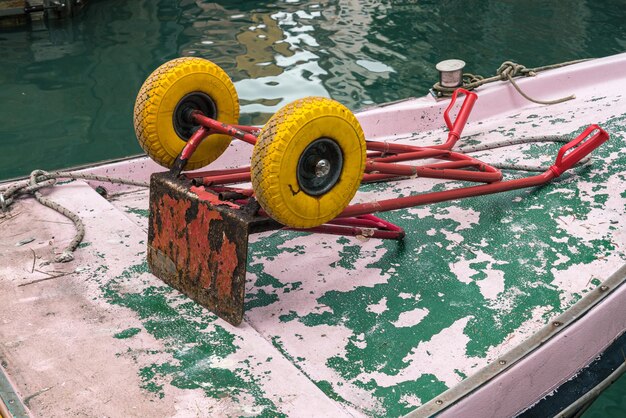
[78, 80]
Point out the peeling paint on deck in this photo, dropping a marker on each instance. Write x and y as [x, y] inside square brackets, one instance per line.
[476, 271]
[354, 327]
[199, 347]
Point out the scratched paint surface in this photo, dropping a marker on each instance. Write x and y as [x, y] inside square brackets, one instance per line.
[201, 352]
[382, 327]
[232, 366]
[174, 357]
[142, 348]
[200, 348]
[386, 326]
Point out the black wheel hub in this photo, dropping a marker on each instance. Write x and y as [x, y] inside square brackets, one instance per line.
[184, 125]
[319, 166]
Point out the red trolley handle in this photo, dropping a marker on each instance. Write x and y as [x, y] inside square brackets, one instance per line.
[456, 127]
[578, 148]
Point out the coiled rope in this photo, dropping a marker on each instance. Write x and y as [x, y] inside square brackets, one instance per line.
[39, 179]
[508, 70]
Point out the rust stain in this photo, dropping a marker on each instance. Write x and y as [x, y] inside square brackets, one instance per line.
[202, 194]
[188, 250]
[200, 247]
[226, 268]
[172, 226]
[169, 236]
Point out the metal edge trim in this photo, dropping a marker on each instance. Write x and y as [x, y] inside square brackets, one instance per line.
[78, 167]
[9, 396]
[557, 325]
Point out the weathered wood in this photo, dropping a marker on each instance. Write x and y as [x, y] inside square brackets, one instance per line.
[15, 12]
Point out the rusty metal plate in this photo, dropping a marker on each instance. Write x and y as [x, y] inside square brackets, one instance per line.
[199, 244]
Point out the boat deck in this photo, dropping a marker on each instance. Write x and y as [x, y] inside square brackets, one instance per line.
[334, 326]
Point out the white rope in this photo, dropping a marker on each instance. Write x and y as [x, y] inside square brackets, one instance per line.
[519, 141]
[40, 179]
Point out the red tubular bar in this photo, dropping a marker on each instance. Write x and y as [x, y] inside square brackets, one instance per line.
[386, 224]
[249, 129]
[352, 231]
[226, 179]
[412, 156]
[578, 148]
[222, 128]
[574, 151]
[367, 221]
[364, 223]
[395, 169]
[196, 174]
[463, 175]
[459, 164]
[463, 159]
[412, 152]
[358, 219]
[193, 143]
[456, 127]
[451, 174]
[392, 148]
[424, 199]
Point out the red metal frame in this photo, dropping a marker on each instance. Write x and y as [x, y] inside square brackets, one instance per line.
[383, 164]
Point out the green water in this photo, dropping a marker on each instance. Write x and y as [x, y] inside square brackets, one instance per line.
[67, 90]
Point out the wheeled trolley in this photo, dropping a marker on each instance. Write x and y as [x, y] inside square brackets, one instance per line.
[307, 164]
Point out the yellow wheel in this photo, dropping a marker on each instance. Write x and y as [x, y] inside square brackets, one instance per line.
[308, 162]
[165, 101]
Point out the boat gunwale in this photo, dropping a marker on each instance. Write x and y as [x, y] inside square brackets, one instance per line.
[556, 328]
[11, 402]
